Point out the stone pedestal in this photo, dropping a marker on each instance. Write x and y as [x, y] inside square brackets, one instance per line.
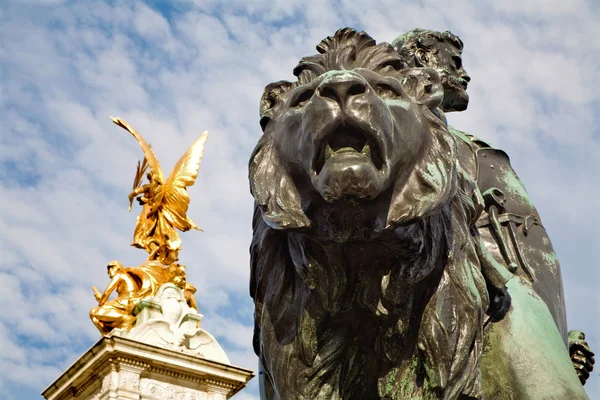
[166, 355]
[121, 368]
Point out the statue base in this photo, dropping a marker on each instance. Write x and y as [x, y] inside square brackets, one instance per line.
[121, 368]
[166, 355]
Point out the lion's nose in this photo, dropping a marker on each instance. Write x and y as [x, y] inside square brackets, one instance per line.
[342, 88]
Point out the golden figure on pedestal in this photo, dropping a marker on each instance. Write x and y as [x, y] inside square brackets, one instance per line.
[117, 312]
[164, 210]
[164, 203]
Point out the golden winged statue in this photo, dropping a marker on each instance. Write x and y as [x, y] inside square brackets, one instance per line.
[164, 202]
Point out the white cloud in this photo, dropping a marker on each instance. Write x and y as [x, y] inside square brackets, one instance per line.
[66, 169]
[541, 8]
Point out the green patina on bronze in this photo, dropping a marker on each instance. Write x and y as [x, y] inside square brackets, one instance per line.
[400, 384]
[551, 259]
[524, 356]
[515, 186]
[436, 282]
[437, 173]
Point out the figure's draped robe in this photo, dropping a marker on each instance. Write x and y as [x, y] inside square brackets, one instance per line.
[154, 228]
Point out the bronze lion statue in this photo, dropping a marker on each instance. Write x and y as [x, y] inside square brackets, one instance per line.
[365, 274]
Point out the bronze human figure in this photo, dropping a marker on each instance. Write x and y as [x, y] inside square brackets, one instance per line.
[529, 330]
[390, 257]
[365, 275]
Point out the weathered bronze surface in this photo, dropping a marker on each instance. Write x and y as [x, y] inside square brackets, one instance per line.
[581, 355]
[513, 233]
[164, 209]
[365, 276]
[394, 257]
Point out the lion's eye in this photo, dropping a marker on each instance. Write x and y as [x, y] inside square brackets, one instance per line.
[386, 91]
[457, 61]
[299, 99]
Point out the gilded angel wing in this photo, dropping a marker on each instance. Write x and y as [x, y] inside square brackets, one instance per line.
[155, 170]
[176, 200]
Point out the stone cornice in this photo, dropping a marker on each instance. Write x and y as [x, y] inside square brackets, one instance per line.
[112, 352]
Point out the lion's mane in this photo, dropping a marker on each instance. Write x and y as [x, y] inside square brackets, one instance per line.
[423, 315]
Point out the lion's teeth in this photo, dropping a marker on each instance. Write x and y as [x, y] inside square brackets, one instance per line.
[366, 150]
[328, 152]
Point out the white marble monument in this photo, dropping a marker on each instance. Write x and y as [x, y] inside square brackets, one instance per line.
[166, 355]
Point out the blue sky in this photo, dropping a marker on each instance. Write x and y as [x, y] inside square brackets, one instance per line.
[176, 68]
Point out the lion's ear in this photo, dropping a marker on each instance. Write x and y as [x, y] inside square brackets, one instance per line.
[273, 187]
[429, 186]
[424, 85]
[432, 181]
[274, 95]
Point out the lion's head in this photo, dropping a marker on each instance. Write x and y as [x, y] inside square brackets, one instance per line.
[361, 252]
[354, 125]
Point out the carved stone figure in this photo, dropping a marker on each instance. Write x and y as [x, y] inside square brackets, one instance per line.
[527, 332]
[165, 320]
[365, 276]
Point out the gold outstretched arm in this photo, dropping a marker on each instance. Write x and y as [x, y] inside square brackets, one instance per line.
[97, 293]
[137, 192]
[109, 289]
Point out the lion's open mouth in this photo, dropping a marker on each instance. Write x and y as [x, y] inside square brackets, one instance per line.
[348, 140]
